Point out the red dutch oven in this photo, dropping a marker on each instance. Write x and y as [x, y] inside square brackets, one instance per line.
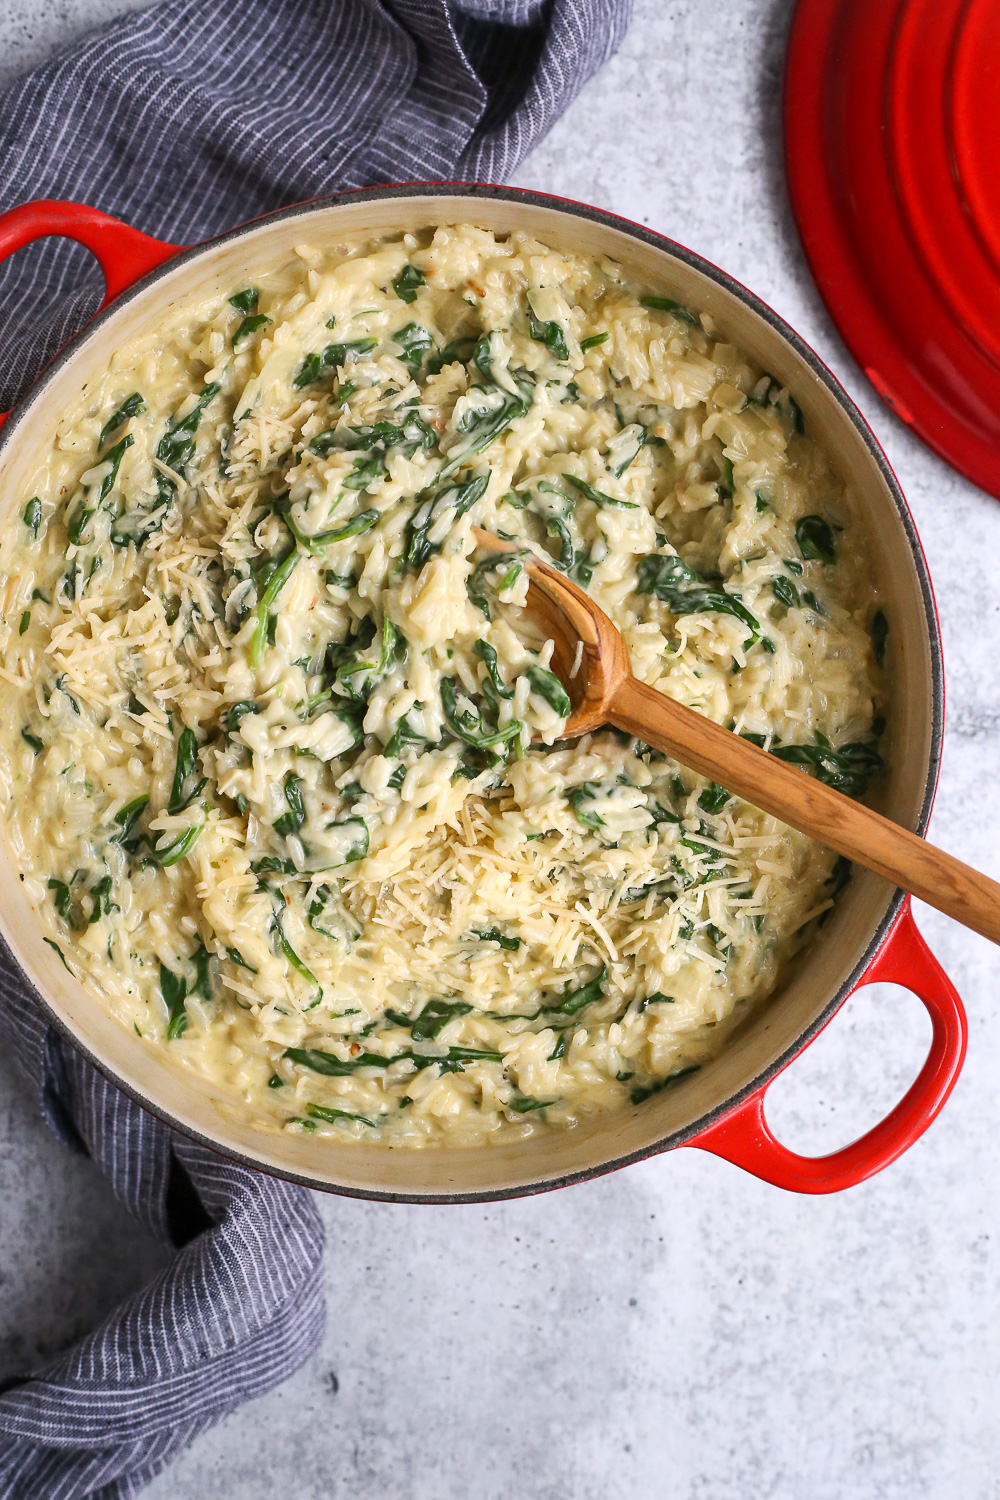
[871, 935]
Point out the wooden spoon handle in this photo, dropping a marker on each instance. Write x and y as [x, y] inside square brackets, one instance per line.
[798, 799]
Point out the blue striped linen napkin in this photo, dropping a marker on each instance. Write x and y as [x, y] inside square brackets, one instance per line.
[184, 120]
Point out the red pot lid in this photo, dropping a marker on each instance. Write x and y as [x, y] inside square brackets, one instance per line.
[892, 146]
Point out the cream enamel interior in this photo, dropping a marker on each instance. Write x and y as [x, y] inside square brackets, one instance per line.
[816, 979]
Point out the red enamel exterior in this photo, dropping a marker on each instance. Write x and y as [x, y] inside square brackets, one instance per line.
[891, 151]
[742, 1136]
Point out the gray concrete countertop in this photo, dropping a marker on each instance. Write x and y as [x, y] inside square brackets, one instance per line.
[678, 1328]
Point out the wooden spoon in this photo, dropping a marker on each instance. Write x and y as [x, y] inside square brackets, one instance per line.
[603, 690]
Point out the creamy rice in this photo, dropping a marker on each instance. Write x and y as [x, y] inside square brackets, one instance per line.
[280, 762]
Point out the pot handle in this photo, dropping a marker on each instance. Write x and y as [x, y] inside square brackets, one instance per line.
[745, 1139]
[123, 253]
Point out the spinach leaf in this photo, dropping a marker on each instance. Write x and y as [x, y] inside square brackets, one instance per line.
[847, 768]
[577, 796]
[101, 896]
[249, 326]
[203, 973]
[815, 539]
[522, 1105]
[187, 754]
[556, 526]
[408, 282]
[176, 447]
[547, 685]
[174, 850]
[81, 518]
[60, 953]
[483, 355]
[598, 496]
[640, 1095]
[271, 865]
[481, 425]
[402, 736]
[326, 1113]
[494, 935]
[355, 841]
[36, 744]
[317, 542]
[271, 579]
[239, 711]
[415, 343]
[467, 725]
[455, 1059]
[126, 820]
[246, 301]
[63, 901]
[365, 472]
[458, 352]
[347, 662]
[335, 1067]
[345, 659]
[297, 963]
[668, 304]
[625, 447]
[476, 587]
[237, 958]
[785, 591]
[24, 622]
[686, 593]
[33, 515]
[550, 334]
[714, 798]
[132, 406]
[173, 988]
[487, 654]
[432, 1019]
[293, 819]
[594, 341]
[456, 497]
[325, 904]
[574, 1000]
[411, 434]
[175, 450]
[333, 357]
[61, 685]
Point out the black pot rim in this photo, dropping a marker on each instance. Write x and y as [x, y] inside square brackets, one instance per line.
[479, 191]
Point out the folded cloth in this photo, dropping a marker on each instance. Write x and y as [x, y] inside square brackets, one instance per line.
[238, 1309]
[184, 120]
[192, 117]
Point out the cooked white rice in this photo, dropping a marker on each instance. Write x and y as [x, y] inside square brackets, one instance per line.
[279, 763]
